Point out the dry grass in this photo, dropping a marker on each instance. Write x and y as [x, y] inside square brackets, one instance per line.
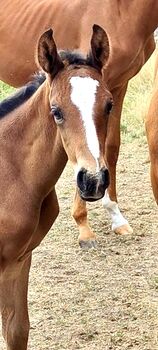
[136, 103]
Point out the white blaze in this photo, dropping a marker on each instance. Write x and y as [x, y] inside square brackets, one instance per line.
[83, 97]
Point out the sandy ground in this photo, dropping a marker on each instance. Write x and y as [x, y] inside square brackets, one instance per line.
[105, 299]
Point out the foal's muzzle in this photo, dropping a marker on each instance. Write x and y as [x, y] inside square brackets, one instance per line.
[92, 186]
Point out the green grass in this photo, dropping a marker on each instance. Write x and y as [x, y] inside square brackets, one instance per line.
[5, 90]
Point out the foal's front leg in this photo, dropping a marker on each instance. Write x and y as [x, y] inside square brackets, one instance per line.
[87, 237]
[14, 282]
[48, 214]
[13, 304]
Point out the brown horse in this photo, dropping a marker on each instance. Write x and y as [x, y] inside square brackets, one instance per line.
[129, 24]
[152, 133]
[71, 104]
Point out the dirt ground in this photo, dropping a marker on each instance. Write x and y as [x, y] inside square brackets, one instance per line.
[105, 299]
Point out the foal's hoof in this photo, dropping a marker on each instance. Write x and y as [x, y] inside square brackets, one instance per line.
[89, 244]
[124, 230]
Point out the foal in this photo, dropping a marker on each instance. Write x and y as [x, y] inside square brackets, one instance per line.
[66, 117]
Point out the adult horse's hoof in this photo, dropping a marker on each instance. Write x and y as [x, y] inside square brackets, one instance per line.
[89, 244]
[124, 230]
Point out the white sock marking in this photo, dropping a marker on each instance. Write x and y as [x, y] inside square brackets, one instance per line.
[83, 97]
[114, 212]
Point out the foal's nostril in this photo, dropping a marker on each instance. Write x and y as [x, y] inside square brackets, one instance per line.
[81, 179]
[105, 178]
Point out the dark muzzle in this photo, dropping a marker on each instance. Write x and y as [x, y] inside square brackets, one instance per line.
[92, 186]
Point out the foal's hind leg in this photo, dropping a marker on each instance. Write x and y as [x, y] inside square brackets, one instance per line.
[13, 303]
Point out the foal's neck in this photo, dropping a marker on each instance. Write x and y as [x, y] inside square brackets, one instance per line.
[35, 143]
[47, 150]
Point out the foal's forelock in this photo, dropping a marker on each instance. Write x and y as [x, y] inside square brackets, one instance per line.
[83, 96]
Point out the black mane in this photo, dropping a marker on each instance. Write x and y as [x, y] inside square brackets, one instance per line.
[76, 58]
[72, 57]
[24, 93]
[21, 95]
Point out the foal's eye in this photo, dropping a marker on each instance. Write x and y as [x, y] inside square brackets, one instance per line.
[108, 107]
[57, 114]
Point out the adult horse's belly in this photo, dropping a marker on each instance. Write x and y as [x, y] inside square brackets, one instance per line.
[72, 24]
[12, 71]
[20, 30]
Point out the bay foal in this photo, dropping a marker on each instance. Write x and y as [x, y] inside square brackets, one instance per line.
[72, 104]
[129, 24]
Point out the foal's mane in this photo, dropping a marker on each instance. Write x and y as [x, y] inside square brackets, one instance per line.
[21, 95]
[24, 93]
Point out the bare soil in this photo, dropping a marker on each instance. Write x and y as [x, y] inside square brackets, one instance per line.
[104, 299]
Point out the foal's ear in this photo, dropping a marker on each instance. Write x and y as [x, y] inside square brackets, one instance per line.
[48, 57]
[99, 47]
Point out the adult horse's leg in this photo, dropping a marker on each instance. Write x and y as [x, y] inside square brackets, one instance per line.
[119, 223]
[87, 237]
[151, 124]
[13, 303]
[154, 173]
